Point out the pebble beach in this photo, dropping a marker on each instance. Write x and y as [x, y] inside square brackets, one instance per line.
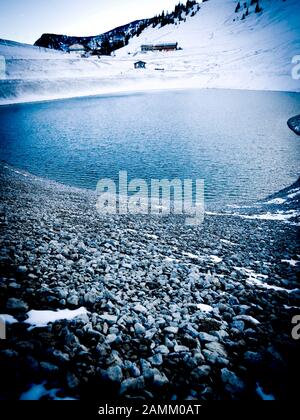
[142, 307]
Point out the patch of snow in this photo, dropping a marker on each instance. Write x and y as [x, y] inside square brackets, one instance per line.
[290, 307]
[248, 318]
[192, 256]
[250, 273]
[150, 236]
[169, 259]
[253, 279]
[216, 259]
[294, 194]
[213, 213]
[8, 319]
[42, 318]
[204, 308]
[256, 282]
[225, 241]
[278, 216]
[276, 201]
[292, 262]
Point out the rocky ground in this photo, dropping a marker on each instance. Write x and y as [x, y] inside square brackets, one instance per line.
[173, 312]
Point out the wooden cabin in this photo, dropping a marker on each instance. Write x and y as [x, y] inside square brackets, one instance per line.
[171, 46]
[140, 65]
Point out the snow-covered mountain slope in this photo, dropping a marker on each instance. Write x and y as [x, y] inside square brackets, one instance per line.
[219, 50]
[11, 50]
[27, 62]
[225, 51]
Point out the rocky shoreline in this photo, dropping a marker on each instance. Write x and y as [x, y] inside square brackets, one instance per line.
[167, 311]
[294, 124]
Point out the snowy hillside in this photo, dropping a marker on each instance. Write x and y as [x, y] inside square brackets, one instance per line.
[11, 50]
[26, 62]
[217, 49]
[222, 50]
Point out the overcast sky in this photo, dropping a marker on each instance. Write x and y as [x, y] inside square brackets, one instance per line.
[26, 20]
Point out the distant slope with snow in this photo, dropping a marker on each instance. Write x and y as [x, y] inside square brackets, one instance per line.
[219, 50]
[225, 51]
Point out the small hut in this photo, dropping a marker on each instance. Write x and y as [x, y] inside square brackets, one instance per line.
[140, 65]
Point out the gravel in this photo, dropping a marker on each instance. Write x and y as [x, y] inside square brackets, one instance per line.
[165, 319]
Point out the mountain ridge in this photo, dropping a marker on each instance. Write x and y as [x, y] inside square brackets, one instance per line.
[118, 37]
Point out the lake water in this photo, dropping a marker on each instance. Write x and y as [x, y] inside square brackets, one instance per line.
[237, 141]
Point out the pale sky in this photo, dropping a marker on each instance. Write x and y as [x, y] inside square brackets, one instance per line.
[26, 20]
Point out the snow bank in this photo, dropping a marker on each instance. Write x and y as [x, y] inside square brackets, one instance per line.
[256, 279]
[281, 216]
[204, 308]
[8, 319]
[42, 318]
[291, 262]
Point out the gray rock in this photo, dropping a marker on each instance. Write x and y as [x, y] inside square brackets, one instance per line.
[217, 348]
[247, 318]
[169, 343]
[149, 373]
[17, 305]
[171, 330]
[73, 300]
[145, 365]
[156, 360]
[72, 380]
[150, 333]
[200, 373]
[132, 384]
[294, 124]
[71, 340]
[215, 359]
[221, 334]
[160, 379]
[111, 319]
[133, 370]
[140, 309]
[139, 329]
[180, 349]
[238, 325]
[207, 338]
[22, 269]
[114, 358]
[253, 358]
[62, 293]
[49, 368]
[61, 357]
[14, 285]
[162, 349]
[90, 298]
[115, 374]
[233, 384]
[192, 331]
[111, 338]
